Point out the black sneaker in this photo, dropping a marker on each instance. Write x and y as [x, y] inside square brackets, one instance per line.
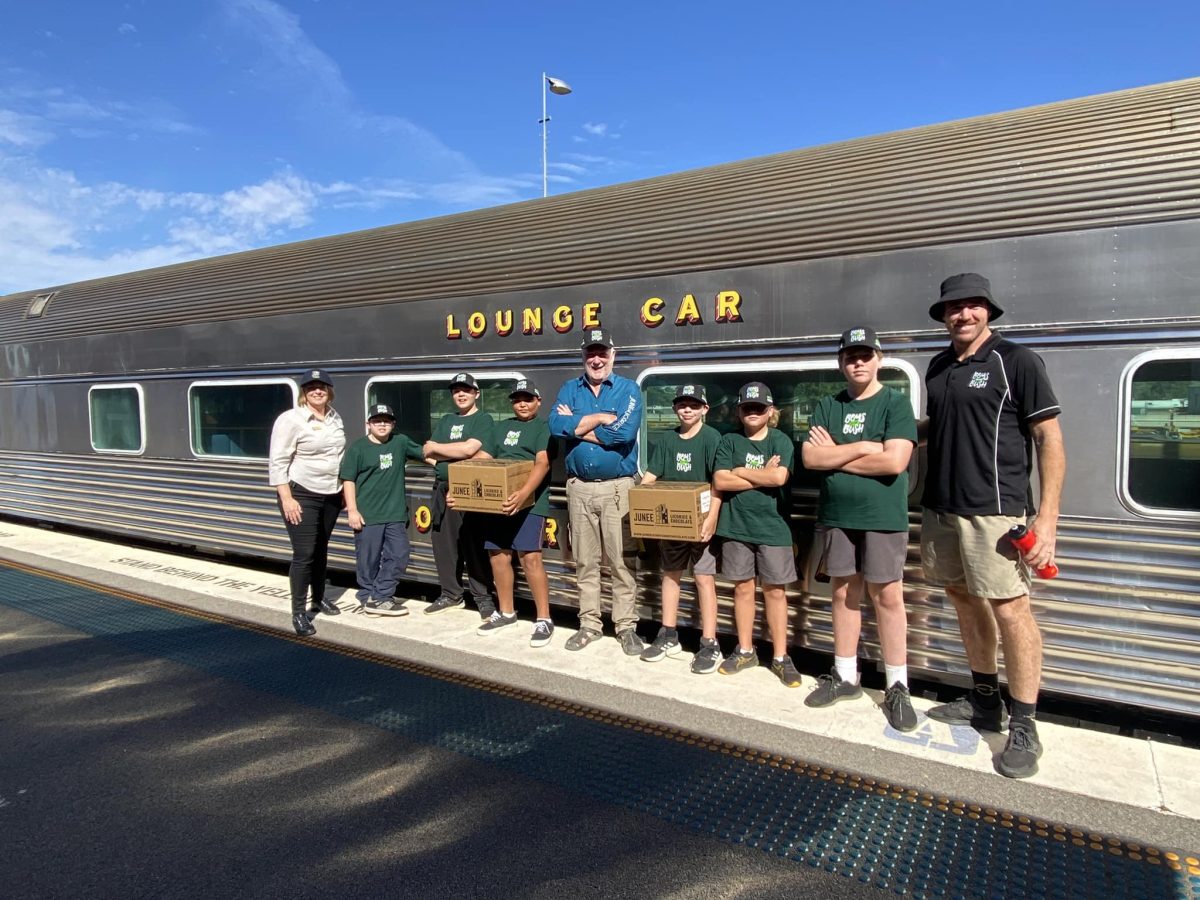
[302, 625]
[898, 708]
[664, 645]
[1021, 753]
[543, 630]
[495, 622]
[708, 658]
[443, 602]
[328, 607]
[737, 660]
[967, 711]
[630, 642]
[486, 608]
[831, 689]
[785, 671]
[392, 607]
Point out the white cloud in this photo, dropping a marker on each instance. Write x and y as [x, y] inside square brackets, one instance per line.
[126, 28]
[596, 129]
[569, 167]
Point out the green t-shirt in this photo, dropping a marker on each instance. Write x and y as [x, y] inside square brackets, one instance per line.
[759, 515]
[677, 459]
[453, 428]
[524, 440]
[377, 471]
[867, 502]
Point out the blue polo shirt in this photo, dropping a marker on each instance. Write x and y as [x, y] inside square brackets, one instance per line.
[616, 454]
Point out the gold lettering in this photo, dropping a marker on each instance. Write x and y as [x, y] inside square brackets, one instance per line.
[727, 306]
[453, 333]
[531, 320]
[504, 322]
[651, 317]
[591, 315]
[689, 313]
[562, 319]
[476, 324]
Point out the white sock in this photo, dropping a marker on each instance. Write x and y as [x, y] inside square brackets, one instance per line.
[892, 674]
[847, 668]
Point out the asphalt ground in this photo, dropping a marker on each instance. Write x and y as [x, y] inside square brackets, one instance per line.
[128, 775]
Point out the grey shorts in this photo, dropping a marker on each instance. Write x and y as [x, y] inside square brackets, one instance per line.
[678, 556]
[741, 561]
[973, 553]
[876, 555]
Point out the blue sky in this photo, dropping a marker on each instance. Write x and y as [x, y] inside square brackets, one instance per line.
[148, 132]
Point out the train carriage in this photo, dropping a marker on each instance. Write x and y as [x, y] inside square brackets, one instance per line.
[141, 404]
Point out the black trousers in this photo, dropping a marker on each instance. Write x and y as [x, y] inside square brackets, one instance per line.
[310, 543]
[457, 546]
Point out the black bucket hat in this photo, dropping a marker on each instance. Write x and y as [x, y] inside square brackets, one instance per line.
[966, 286]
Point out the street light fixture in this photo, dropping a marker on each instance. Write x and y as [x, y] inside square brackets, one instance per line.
[556, 86]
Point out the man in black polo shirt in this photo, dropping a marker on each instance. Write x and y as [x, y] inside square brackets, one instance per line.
[988, 400]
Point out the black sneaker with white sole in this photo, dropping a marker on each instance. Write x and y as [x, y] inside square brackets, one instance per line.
[390, 607]
[543, 630]
[708, 658]
[443, 602]
[495, 622]
[665, 644]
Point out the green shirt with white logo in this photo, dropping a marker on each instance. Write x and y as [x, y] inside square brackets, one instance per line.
[524, 440]
[759, 515]
[866, 502]
[676, 458]
[453, 428]
[377, 471]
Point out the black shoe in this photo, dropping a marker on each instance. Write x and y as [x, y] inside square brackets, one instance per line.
[738, 660]
[664, 645]
[1021, 753]
[443, 602]
[495, 622]
[708, 658]
[785, 670]
[830, 689]
[630, 642]
[328, 607]
[392, 607]
[898, 708]
[967, 711]
[302, 625]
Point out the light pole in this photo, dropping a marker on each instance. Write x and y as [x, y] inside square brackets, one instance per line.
[557, 86]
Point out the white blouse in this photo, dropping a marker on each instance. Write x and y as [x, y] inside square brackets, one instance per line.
[307, 450]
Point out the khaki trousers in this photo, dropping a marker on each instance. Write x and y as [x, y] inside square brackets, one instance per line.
[599, 513]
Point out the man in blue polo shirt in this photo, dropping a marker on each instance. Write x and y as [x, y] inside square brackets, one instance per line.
[599, 415]
[990, 403]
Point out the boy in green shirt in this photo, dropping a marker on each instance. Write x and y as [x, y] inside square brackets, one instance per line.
[463, 434]
[861, 439]
[524, 436]
[688, 454]
[372, 474]
[752, 472]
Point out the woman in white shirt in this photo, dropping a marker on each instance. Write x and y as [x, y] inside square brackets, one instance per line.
[306, 450]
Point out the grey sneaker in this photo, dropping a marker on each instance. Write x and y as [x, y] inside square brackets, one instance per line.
[737, 660]
[543, 630]
[582, 638]
[443, 602]
[967, 711]
[708, 658]
[392, 607]
[664, 645]
[830, 689]
[1021, 753]
[495, 622]
[630, 642]
[898, 708]
[785, 670]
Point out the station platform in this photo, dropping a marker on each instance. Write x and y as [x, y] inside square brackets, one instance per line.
[1113, 815]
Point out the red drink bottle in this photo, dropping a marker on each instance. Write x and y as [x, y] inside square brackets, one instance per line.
[1022, 538]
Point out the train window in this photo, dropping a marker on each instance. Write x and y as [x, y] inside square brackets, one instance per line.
[118, 418]
[420, 401]
[797, 388]
[234, 418]
[1162, 432]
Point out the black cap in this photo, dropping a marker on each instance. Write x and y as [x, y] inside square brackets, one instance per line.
[859, 337]
[755, 392]
[597, 337]
[691, 392]
[317, 376]
[967, 286]
[464, 378]
[525, 386]
[380, 409]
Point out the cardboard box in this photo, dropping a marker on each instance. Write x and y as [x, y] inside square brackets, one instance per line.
[674, 510]
[483, 485]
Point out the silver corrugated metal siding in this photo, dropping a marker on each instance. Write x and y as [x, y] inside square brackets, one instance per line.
[1120, 158]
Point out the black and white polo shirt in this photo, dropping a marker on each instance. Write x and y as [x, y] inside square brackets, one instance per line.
[980, 410]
